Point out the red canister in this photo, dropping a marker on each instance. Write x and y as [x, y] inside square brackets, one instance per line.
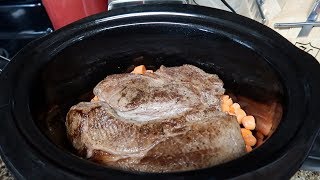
[63, 12]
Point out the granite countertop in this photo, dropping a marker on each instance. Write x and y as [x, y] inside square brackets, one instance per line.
[300, 175]
[306, 175]
[4, 173]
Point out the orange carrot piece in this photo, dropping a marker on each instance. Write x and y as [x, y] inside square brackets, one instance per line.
[240, 114]
[248, 122]
[139, 70]
[224, 97]
[95, 98]
[225, 108]
[245, 132]
[228, 102]
[248, 148]
[248, 138]
[233, 108]
[225, 103]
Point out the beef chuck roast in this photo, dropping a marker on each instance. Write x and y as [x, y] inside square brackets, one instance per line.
[169, 120]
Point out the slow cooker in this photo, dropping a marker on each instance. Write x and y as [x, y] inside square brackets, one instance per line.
[53, 73]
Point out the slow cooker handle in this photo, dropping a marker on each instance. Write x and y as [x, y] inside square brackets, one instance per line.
[3, 62]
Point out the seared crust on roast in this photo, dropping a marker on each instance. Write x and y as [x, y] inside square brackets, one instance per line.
[165, 121]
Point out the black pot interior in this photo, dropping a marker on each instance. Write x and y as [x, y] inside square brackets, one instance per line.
[71, 75]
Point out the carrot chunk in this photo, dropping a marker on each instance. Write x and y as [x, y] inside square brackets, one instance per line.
[248, 148]
[248, 138]
[248, 122]
[240, 114]
[233, 108]
[139, 70]
[94, 99]
[225, 108]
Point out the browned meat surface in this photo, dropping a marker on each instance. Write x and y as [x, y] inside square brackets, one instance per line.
[169, 120]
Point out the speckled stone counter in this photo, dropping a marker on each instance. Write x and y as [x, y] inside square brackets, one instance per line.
[300, 175]
[4, 173]
[306, 175]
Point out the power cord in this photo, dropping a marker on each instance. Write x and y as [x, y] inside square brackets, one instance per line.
[195, 2]
[228, 6]
[224, 2]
